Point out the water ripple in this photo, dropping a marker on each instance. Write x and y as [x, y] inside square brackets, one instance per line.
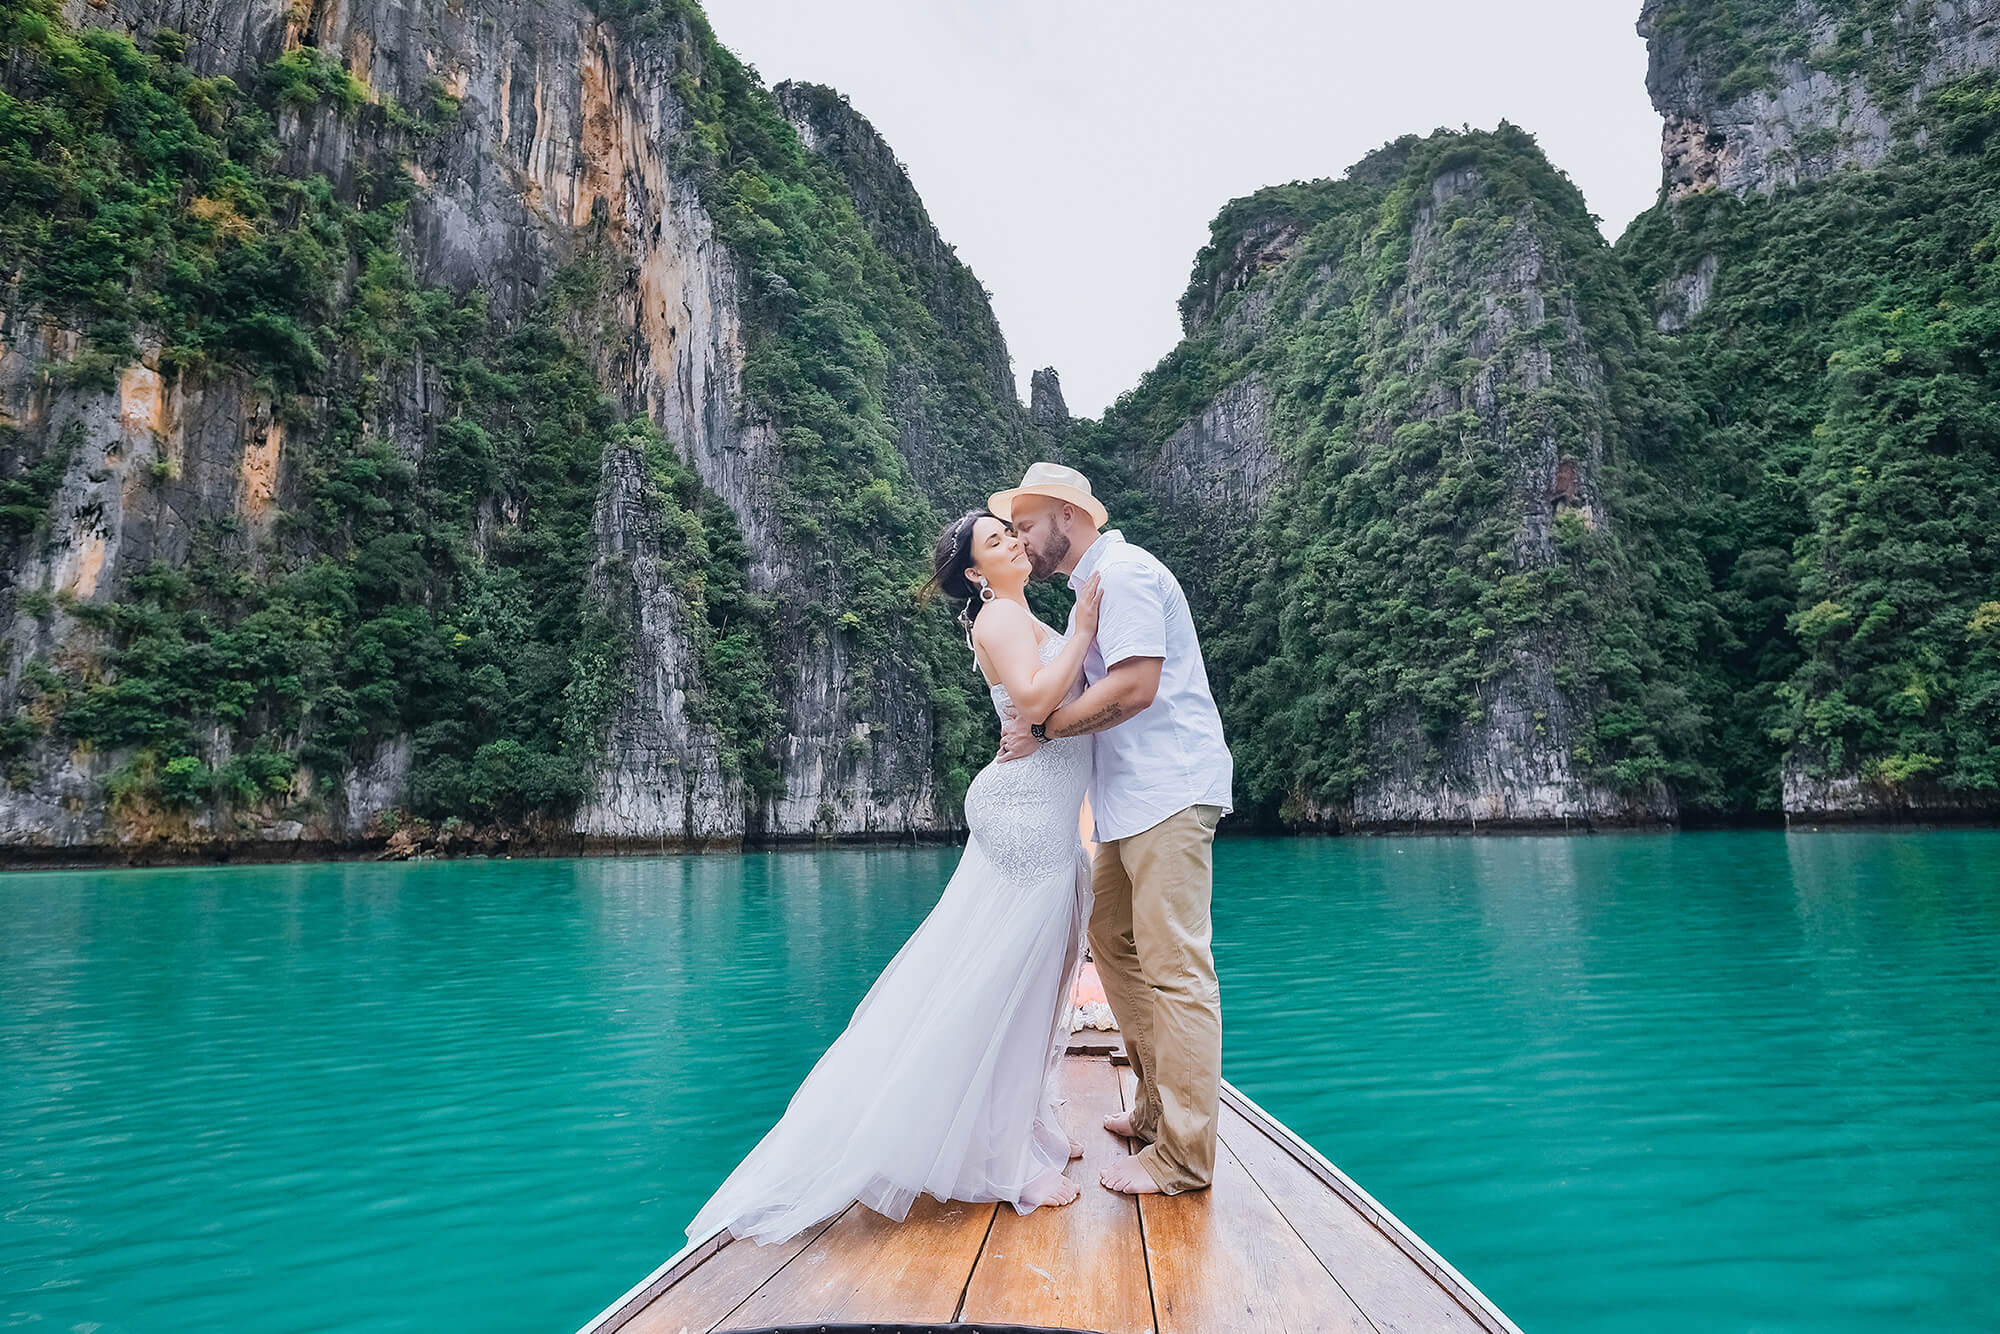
[1725, 1082]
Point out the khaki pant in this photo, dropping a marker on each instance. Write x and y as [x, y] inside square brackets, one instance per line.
[1149, 931]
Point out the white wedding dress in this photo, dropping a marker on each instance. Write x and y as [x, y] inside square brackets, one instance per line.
[944, 1079]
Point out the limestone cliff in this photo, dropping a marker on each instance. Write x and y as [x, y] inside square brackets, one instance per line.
[1047, 410]
[554, 170]
[1759, 95]
[894, 212]
[438, 426]
[1382, 461]
[1819, 258]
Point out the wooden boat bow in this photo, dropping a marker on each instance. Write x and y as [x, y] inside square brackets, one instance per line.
[1282, 1240]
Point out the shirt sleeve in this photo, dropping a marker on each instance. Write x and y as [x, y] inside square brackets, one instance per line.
[1132, 622]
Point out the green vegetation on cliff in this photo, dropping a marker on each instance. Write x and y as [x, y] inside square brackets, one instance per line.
[1388, 588]
[833, 319]
[439, 588]
[1482, 504]
[1800, 572]
[1846, 367]
[1742, 43]
[444, 600]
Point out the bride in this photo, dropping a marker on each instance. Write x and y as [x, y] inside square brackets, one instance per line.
[943, 1080]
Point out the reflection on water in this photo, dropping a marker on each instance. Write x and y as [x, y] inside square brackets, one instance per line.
[1741, 1081]
[1719, 1081]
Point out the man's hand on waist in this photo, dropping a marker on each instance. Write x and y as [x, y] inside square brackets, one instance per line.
[1016, 741]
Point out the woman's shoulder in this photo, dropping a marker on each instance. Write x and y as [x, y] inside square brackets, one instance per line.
[1002, 616]
[999, 622]
[1004, 621]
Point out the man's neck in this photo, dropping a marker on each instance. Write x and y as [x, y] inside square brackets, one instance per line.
[1076, 557]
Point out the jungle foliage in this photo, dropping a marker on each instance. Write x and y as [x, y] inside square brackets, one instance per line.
[447, 601]
[1385, 594]
[1801, 564]
[1845, 368]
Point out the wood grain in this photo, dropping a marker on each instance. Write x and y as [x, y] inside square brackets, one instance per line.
[1081, 1265]
[1397, 1294]
[1226, 1258]
[1276, 1243]
[867, 1267]
[697, 1302]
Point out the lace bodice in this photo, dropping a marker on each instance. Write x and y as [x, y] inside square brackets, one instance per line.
[1023, 812]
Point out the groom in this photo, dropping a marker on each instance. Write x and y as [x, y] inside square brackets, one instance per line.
[1160, 784]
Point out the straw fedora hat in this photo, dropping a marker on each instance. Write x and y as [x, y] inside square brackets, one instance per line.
[1056, 482]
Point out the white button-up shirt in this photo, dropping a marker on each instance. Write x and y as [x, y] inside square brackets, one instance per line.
[1170, 755]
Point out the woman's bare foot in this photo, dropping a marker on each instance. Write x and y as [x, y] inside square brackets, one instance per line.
[1054, 1188]
[1075, 1149]
[1120, 1124]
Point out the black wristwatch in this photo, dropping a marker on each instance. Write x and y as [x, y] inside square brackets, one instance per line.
[1039, 731]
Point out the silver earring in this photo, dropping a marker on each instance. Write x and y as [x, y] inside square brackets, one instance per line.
[986, 592]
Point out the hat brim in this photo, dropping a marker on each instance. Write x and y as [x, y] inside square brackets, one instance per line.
[1002, 502]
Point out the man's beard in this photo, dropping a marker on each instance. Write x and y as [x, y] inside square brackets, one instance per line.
[1042, 564]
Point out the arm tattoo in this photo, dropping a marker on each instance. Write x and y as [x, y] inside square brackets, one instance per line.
[1096, 722]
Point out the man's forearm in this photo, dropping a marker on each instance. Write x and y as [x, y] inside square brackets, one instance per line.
[1103, 705]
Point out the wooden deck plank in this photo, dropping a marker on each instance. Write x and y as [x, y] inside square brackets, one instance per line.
[1371, 1210]
[868, 1267]
[1390, 1287]
[698, 1302]
[1080, 1265]
[1225, 1258]
[1282, 1241]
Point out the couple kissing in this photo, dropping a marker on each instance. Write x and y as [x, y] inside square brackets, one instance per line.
[945, 1080]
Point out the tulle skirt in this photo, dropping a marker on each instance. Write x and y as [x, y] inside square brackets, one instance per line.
[944, 1081]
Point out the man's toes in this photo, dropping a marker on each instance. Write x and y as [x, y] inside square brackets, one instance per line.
[1129, 1176]
[1121, 1124]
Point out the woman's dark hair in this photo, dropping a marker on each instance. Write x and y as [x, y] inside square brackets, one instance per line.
[951, 558]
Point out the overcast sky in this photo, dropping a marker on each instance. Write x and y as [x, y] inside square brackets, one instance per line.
[1074, 151]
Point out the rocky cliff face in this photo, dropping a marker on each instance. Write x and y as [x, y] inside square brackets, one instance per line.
[1047, 410]
[1223, 460]
[952, 446]
[1815, 257]
[1763, 96]
[1512, 314]
[567, 138]
[1472, 544]
[1380, 461]
[512, 424]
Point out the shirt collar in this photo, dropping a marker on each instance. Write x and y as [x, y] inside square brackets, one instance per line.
[1093, 555]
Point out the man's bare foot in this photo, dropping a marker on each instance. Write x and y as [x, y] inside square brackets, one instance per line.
[1053, 1188]
[1130, 1176]
[1075, 1149]
[1120, 1124]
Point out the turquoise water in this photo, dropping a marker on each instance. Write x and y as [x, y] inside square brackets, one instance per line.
[1730, 1081]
